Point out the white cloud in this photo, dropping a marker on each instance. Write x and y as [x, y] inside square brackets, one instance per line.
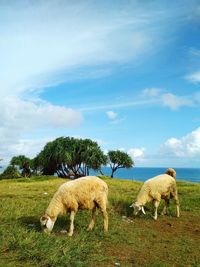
[28, 147]
[119, 105]
[136, 153]
[111, 115]
[164, 98]
[187, 146]
[194, 77]
[40, 43]
[151, 92]
[149, 97]
[174, 102]
[19, 117]
[47, 43]
[21, 114]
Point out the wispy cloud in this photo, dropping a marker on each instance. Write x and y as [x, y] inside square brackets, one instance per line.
[34, 45]
[111, 115]
[46, 43]
[40, 42]
[151, 92]
[167, 99]
[149, 97]
[125, 104]
[194, 77]
[175, 102]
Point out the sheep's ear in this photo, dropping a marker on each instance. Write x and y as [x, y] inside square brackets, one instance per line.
[132, 205]
[43, 218]
[143, 210]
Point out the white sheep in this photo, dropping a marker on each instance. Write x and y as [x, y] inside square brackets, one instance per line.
[88, 193]
[153, 190]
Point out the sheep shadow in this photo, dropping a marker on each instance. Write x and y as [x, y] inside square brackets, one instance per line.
[123, 209]
[30, 223]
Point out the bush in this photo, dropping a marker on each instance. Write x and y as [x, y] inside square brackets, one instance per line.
[10, 172]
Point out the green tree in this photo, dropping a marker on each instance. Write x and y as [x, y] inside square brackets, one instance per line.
[23, 163]
[118, 159]
[50, 159]
[69, 157]
[10, 172]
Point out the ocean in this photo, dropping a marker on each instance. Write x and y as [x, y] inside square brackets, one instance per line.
[142, 174]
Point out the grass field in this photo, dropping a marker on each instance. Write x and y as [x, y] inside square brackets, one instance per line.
[139, 241]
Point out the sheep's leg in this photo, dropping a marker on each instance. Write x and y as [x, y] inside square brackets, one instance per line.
[91, 225]
[71, 228]
[165, 209]
[174, 195]
[177, 205]
[102, 207]
[156, 204]
[105, 219]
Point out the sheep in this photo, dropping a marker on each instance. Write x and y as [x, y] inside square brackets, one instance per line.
[153, 190]
[87, 193]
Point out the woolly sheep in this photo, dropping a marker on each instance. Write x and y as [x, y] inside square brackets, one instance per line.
[87, 193]
[153, 190]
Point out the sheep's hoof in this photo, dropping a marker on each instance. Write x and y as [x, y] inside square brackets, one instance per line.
[70, 234]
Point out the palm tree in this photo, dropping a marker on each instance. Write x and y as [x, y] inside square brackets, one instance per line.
[23, 163]
[69, 156]
[118, 159]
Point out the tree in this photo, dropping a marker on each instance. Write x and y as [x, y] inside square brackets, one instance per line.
[23, 163]
[10, 172]
[69, 157]
[118, 159]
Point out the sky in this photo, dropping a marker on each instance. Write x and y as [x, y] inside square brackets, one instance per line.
[123, 73]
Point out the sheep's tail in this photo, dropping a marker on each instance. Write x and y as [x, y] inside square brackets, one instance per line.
[171, 172]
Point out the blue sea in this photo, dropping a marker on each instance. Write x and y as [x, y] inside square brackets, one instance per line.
[142, 174]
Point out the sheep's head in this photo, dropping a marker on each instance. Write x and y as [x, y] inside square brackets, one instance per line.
[171, 172]
[137, 207]
[47, 223]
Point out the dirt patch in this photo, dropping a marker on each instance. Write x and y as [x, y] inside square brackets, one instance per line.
[168, 240]
[187, 224]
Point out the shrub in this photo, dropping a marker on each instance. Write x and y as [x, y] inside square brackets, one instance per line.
[10, 172]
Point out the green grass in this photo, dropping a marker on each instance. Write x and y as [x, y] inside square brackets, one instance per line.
[139, 241]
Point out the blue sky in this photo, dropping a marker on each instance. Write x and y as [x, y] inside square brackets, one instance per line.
[123, 73]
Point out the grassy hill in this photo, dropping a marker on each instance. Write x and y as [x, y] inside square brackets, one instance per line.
[139, 241]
